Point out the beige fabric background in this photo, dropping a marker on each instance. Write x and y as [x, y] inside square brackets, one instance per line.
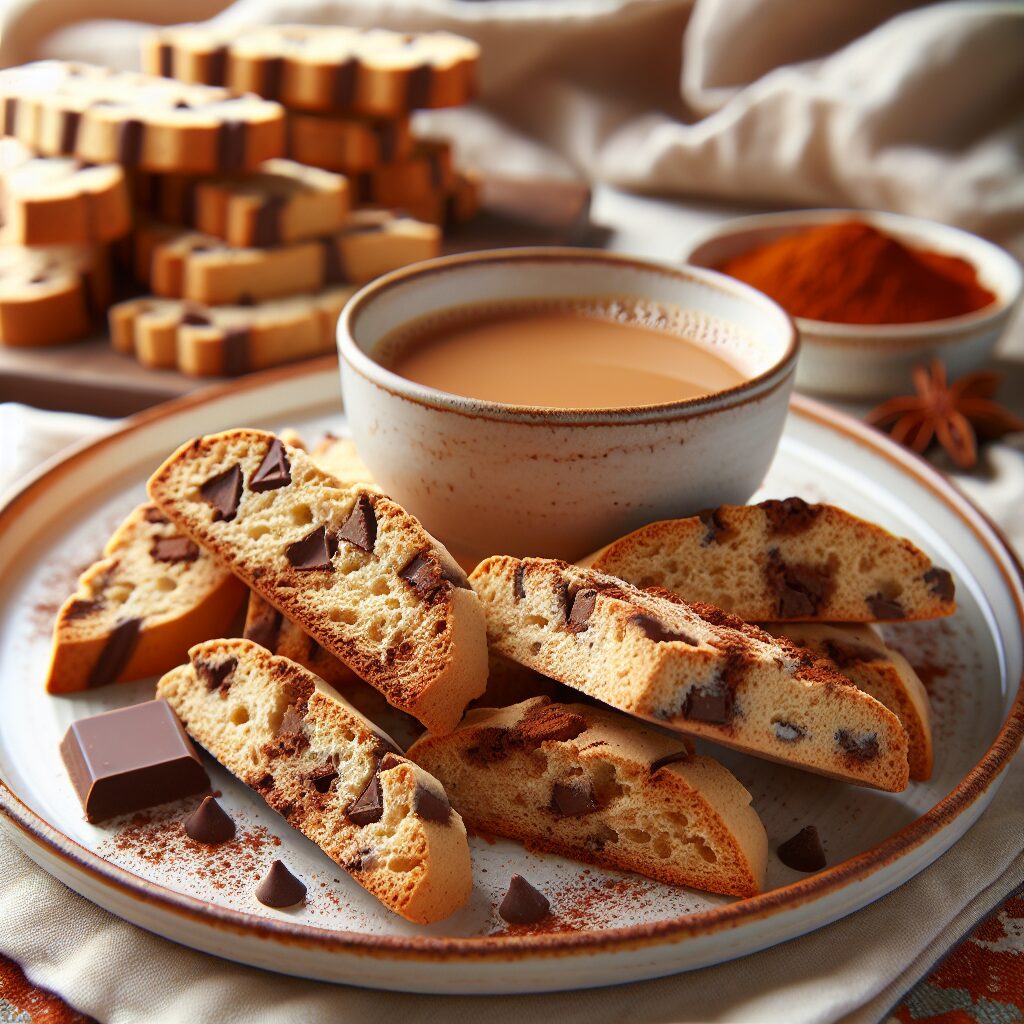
[874, 103]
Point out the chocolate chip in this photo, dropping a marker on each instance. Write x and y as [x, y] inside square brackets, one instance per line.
[573, 799]
[174, 549]
[165, 57]
[417, 87]
[431, 806]
[115, 653]
[360, 528]
[154, 515]
[235, 356]
[209, 823]
[273, 472]
[677, 757]
[129, 142]
[863, 747]
[883, 607]
[801, 589]
[787, 732]
[714, 527]
[267, 224]
[313, 553]
[519, 590]
[291, 733]
[215, 675]
[368, 807]
[343, 86]
[709, 705]
[216, 68]
[70, 122]
[280, 888]
[224, 493]
[658, 632]
[231, 145]
[424, 574]
[803, 852]
[940, 583]
[273, 75]
[522, 903]
[792, 515]
[578, 618]
[322, 777]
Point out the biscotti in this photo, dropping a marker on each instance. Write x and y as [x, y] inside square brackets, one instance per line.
[592, 785]
[137, 611]
[784, 561]
[323, 68]
[689, 667]
[331, 773]
[425, 175]
[339, 457]
[63, 108]
[51, 295]
[351, 567]
[859, 653]
[347, 144]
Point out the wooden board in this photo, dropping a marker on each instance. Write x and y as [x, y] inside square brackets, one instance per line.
[89, 376]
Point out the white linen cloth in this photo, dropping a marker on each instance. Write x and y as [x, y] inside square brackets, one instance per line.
[122, 975]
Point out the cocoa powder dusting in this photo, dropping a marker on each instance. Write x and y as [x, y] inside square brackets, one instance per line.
[544, 721]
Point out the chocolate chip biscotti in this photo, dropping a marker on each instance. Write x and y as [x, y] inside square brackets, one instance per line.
[689, 667]
[329, 771]
[784, 560]
[592, 785]
[351, 567]
[137, 611]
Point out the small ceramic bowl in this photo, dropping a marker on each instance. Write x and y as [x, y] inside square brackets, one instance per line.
[488, 478]
[866, 361]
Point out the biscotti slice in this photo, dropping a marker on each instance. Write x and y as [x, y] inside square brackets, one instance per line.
[592, 785]
[784, 561]
[51, 295]
[59, 201]
[339, 457]
[860, 654]
[137, 611]
[329, 771]
[347, 144]
[324, 68]
[689, 667]
[355, 570]
[266, 626]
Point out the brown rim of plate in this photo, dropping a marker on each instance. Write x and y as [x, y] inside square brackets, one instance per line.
[975, 783]
[765, 383]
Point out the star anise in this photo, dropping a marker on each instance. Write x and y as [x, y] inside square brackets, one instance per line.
[954, 415]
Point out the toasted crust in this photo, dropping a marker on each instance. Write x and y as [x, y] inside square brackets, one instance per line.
[860, 654]
[422, 646]
[688, 823]
[172, 604]
[689, 667]
[783, 561]
[294, 739]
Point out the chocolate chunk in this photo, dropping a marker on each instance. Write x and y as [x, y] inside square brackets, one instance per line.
[129, 142]
[231, 145]
[360, 528]
[273, 75]
[263, 626]
[273, 472]
[801, 589]
[424, 574]
[209, 823]
[583, 604]
[431, 806]
[115, 653]
[10, 114]
[135, 757]
[313, 553]
[518, 586]
[335, 271]
[215, 676]
[343, 87]
[803, 852]
[267, 223]
[883, 607]
[704, 705]
[291, 733]
[788, 732]
[174, 549]
[322, 777]
[217, 65]
[940, 583]
[678, 757]
[224, 493]
[70, 120]
[789, 516]
[523, 904]
[368, 807]
[658, 632]
[235, 343]
[417, 87]
[280, 888]
[573, 799]
[863, 747]
[714, 526]
[154, 515]
[165, 56]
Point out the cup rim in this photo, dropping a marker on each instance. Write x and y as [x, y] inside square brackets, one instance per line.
[358, 361]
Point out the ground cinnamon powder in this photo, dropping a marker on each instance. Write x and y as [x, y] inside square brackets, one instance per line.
[851, 273]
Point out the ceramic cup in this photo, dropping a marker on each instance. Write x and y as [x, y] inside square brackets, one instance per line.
[488, 478]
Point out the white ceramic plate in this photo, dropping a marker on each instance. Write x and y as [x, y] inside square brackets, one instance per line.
[609, 927]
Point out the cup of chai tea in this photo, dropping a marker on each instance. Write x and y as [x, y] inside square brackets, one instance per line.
[545, 401]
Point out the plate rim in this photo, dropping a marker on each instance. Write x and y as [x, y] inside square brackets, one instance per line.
[974, 784]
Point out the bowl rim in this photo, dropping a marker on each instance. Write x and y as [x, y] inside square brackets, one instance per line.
[355, 359]
[947, 328]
